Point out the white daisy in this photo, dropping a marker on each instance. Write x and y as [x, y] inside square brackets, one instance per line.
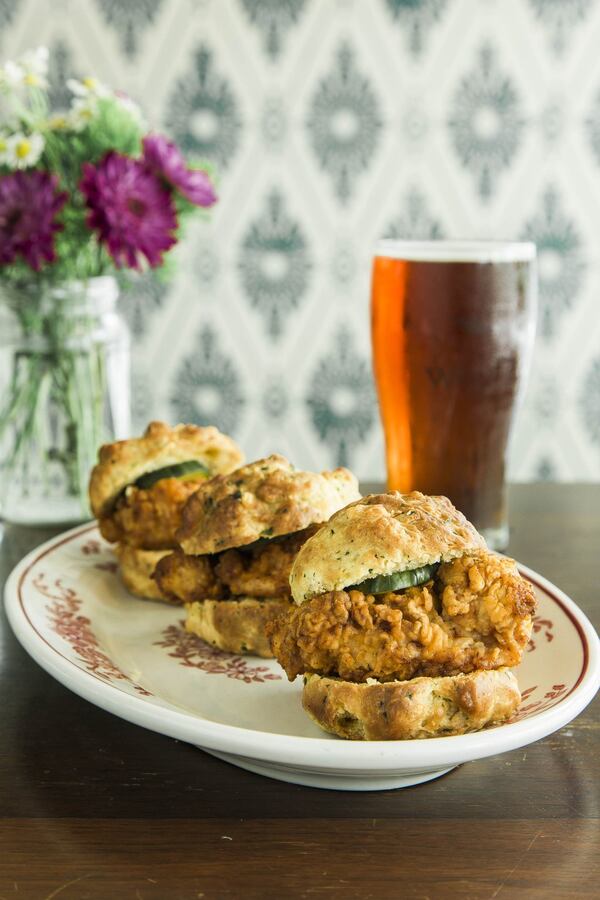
[35, 67]
[88, 87]
[83, 111]
[23, 150]
[58, 122]
[11, 74]
[30, 70]
[3, 149]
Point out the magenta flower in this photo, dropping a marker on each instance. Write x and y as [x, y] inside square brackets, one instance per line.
[164, 158]
[29, 203]
[130, 209]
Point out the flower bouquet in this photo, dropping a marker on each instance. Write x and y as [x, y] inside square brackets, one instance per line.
[83, 193]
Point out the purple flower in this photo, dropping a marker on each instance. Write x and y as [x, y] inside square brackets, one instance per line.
[29, 203]
[130, 209]
[165, 159]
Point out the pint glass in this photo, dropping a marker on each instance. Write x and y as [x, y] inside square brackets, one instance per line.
[452, 326]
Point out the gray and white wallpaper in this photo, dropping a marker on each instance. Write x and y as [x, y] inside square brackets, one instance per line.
[332, 123]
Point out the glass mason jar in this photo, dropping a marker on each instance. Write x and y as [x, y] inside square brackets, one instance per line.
[64, 390]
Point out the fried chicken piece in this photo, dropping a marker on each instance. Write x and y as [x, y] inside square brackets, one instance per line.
[475, 614]
[148, 518]
[259, 570]
[184, 579]
[262, 569]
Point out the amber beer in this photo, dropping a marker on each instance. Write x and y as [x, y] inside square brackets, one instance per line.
[452, 329]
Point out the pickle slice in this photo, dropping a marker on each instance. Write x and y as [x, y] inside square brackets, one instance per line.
[385, 584]
[190, 470]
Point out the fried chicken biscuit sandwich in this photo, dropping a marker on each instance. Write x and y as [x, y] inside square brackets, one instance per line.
[239, 536]
[405, 625]
[139, 487]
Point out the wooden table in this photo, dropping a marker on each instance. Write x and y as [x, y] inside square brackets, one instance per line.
[93, 807]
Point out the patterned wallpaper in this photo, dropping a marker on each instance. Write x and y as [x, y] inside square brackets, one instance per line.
[333, 123]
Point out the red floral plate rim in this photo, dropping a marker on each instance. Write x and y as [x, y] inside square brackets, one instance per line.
[234, 739]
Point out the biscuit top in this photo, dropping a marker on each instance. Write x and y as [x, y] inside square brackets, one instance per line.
[379, 535]
[264, 499]
[121, 463]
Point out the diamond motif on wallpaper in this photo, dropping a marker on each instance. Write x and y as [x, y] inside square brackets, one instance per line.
[8, 8]
[273, 124]
[415, 220]
[274, 263]
[202, 112]
[414, 124]
[60, 67]
[592, 124]
[142, 399]
[129, 20]
[560, 261]
[416, 17]
[141, 296]
[344, 123]
[545, 469]
[273, 18]
[552, 120]
[275, 400]
[545, 402]
[343, 264]
[560, 17]
[206, 389]
[206, 263]
[486, 123]
[341, 398]
[589, 402]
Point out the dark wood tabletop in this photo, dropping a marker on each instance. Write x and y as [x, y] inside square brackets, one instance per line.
[93, 807]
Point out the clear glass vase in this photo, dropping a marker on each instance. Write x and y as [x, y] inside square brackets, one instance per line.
[64, 390]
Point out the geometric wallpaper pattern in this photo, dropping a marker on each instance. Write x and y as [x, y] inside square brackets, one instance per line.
[332, 123]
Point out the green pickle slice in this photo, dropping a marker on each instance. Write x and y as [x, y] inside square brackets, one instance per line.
[190, 470]
[385, 584]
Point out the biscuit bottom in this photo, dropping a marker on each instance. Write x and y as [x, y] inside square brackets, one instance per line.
[419, 708]
[237, 626]
[136, 567]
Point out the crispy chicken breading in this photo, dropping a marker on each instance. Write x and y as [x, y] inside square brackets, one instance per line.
[258, 570]
[185, 579]
[149, 518]
[262, 570]
[475, 614]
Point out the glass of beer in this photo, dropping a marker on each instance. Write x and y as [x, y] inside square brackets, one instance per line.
[453, 324]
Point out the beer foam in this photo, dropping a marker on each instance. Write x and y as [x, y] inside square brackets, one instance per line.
[457, 251]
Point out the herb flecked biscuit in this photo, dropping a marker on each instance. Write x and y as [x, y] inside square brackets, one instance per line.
[121, 463]
[379, 535]
[137, 567]
[237, 626]
[408, 710]
[264, 499]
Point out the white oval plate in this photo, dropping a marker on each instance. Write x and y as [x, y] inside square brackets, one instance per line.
[133, 658]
